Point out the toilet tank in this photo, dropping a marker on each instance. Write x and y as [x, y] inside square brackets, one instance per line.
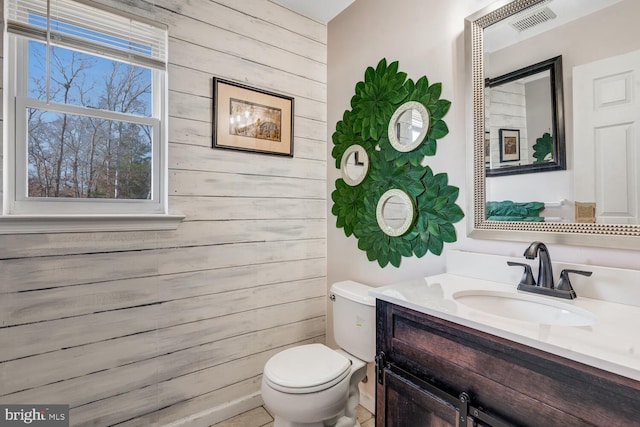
[354, 319]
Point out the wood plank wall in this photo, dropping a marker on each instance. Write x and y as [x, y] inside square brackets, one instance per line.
[508, 110]
[149, 328]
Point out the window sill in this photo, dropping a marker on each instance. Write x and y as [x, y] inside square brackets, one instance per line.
[32, 224]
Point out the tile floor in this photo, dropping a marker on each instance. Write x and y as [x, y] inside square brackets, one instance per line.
[260, 417]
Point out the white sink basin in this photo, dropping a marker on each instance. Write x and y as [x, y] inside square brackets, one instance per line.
[525, 307]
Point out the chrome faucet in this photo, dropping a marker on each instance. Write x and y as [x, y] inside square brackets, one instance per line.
[545, 270]
[545, 285]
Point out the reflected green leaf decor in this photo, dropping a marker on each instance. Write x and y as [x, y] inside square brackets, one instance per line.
[383, 90]
[543, 148]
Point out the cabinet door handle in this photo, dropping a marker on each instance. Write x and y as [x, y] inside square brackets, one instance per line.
[380, 365]
[463, 408]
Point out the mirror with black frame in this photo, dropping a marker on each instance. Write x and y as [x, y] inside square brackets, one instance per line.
[524, 120]
[595, 199]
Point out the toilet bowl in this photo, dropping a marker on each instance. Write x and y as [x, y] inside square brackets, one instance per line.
[315, 386]
[320, 392]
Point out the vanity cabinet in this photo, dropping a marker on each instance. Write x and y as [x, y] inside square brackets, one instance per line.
[432, 372]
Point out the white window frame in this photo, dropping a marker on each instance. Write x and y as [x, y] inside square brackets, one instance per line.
[22, 214]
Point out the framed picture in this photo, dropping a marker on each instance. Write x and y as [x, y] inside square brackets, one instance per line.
[250, 119]
[487, 147]
[509, 145]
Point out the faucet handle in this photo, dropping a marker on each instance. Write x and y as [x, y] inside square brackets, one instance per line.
[527, 275]
[564, 284]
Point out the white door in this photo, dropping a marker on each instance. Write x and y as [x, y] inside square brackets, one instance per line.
[606, 121]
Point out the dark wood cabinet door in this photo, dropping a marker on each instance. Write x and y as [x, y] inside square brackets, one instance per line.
[507, 383]
[402, 403]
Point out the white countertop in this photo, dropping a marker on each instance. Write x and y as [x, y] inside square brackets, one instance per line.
[612, 343]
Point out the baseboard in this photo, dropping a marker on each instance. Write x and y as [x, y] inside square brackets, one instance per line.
[220, 413]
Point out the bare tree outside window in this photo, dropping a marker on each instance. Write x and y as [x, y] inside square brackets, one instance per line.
[79, 156]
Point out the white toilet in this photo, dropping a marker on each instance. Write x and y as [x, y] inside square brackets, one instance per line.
[315, 386]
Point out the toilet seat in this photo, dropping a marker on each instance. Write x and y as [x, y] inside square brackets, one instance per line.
[306, 369]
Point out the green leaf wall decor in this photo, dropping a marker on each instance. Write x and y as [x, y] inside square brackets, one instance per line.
[543, 148]
[383, 90]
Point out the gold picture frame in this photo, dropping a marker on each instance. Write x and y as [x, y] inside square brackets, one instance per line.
[250, 119]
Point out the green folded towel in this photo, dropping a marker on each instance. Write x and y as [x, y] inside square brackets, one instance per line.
[511, 211]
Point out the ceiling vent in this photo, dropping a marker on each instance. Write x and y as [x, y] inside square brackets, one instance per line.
[532, 18]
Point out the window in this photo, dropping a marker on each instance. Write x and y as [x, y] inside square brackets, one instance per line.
[86, 111]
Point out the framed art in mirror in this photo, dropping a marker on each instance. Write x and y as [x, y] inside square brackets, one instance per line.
[509, 145]
[530, 100]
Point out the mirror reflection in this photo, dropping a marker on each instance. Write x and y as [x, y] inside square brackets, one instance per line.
[524, 124]
[599, 191]
[354, 165]
[395, 212]
[408, 126]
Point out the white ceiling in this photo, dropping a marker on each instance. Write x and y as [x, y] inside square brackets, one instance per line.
[500, 35]
[319, 10]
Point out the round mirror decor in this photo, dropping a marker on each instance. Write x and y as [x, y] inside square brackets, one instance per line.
[428, 222]
[408, 126]
[354, 165]
[395, 212]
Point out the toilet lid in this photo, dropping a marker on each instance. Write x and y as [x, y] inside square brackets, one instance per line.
[306, 369]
